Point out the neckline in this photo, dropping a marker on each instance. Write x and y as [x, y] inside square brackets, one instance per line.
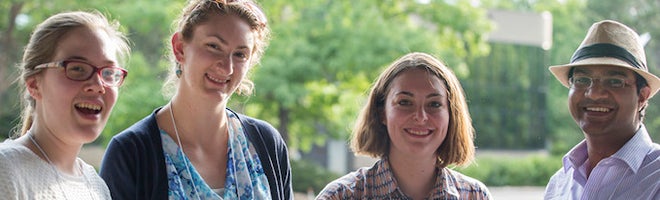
[59, 176]
[178, 139]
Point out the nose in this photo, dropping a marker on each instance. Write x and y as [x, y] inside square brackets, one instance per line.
[596, 91]
[420, 115]
[226, 64]
[95, 84]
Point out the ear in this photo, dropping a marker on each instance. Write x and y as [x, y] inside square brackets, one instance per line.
[177, 46]
[32, 85]
[643, 97]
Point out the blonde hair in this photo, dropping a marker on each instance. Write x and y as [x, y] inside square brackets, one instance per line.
[198, 11]
[45, 40]
[370, 136]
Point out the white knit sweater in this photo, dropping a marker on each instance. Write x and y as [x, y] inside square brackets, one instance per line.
[23, 175]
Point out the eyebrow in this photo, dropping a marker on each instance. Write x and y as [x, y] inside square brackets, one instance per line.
[411, 94]
[77, 58]
[224, 42]
[106, 62]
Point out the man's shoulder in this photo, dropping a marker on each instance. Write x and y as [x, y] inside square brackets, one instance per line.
[655, 147]
[652, 159]
[558, 183]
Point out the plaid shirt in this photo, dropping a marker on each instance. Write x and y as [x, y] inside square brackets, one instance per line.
[378, 182]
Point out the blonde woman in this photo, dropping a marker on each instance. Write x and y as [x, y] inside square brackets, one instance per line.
[71, 73]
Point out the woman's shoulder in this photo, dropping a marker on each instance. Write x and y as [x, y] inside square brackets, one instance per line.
[463, 181]
[260, 128]
[354, 184]
[94, 179]
[17, 160]
[10, 167]
[252, 121]
[344, 187]
[145, 129]
[11, 151]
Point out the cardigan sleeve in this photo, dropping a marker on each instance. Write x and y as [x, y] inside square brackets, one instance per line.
[118, 169]
[274, 156]
[133, 166]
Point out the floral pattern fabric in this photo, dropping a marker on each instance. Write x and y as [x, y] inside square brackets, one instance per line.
[245, 178]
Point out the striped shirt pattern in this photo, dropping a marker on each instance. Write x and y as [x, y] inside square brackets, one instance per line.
[633, 172]
[378, 182]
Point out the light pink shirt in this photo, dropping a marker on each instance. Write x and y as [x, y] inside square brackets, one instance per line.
[633, 172]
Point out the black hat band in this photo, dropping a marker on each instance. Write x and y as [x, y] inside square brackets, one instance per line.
[606, 50]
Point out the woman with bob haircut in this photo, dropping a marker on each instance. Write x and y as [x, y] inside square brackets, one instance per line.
[416, 122]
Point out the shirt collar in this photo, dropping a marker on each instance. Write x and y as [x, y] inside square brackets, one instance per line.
[442, 181]
[576, 156]
[448, 188]
[385, 171]
[632, 153]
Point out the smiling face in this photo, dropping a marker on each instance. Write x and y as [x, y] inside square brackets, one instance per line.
[416, 114]
[75, 111]
[601, 111]
[216, 58]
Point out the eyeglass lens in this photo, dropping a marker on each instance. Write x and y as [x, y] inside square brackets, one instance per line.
[587, 82]
[82, 71]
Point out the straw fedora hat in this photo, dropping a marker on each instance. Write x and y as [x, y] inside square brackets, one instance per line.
[609, 43]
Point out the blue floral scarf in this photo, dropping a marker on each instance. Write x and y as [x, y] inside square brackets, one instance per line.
[245, 175]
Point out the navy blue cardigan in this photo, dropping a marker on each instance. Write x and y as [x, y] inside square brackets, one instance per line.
[134, 165]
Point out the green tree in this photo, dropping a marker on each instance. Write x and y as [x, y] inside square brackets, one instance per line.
[147, 26]
[16, 23]
[149, 29]
[325, 54]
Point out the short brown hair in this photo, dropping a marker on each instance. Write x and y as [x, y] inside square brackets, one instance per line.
[370, 136]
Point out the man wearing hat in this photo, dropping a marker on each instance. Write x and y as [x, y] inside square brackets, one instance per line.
[609, 88]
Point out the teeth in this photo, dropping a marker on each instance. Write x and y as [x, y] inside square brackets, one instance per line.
[598, 109]
[217, 80]
[88, 106]
[418, 132]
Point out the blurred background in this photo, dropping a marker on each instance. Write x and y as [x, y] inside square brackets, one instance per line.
[324, 55]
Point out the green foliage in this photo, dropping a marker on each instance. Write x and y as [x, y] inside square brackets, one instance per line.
[307, 175]
[505, 170]
[325, 54]
[138, 96]
[15, 33]
[513, 109]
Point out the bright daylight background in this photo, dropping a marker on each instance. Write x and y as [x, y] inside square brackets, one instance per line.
[324, 54]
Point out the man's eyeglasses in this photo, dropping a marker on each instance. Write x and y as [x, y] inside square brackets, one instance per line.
[81, 71]
[585, 82]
